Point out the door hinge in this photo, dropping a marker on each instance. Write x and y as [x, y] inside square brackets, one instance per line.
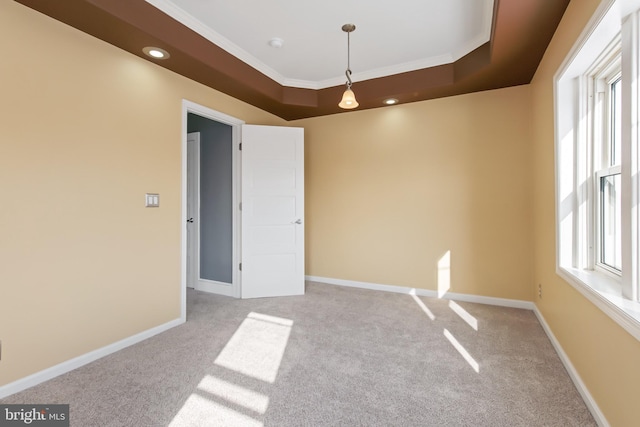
[240, 266]
[240, 146]
[240, 206]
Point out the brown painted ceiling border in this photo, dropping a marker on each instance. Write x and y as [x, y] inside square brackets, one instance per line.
[521, 32]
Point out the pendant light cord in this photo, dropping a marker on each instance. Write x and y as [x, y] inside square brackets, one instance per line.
[348, 72]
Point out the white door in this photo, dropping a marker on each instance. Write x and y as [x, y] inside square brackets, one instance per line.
[272, 211]
[193, 197]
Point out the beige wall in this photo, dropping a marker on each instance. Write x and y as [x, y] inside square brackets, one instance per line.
[390, 191]
[606, 357]
[85, 130]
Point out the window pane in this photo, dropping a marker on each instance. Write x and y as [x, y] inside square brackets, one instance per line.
[616, 122]
[610, 221]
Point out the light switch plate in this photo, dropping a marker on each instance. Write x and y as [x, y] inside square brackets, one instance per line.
[152, 200]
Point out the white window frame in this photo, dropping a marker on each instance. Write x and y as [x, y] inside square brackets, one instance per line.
[579, 164]
[600, 77]
[599, 263]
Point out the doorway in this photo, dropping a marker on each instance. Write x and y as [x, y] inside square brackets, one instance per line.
[266, 209]
[209, 205]
[210, 193]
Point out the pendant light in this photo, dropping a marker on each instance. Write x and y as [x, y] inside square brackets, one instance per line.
[348, 98]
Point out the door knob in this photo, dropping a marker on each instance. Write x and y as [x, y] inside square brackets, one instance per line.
[297, 221]
[190, 220]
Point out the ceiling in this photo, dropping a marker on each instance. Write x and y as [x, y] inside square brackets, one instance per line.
[411, 50]
[412, 35]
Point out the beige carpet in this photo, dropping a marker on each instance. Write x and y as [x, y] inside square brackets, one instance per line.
[334, 357]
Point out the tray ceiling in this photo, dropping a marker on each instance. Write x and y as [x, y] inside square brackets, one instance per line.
[411, 50]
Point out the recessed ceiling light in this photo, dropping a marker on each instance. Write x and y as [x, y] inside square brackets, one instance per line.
[390, 101]
[276, 42]
[156, 52]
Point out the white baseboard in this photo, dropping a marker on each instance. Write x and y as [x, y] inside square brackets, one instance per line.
[503, 302]
[70, 365]
[575, 377]
[573, 374]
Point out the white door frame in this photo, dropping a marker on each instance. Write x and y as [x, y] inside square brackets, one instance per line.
[236, 126]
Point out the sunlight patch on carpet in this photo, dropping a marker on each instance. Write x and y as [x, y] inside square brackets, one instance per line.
[464, 314]
[238, 395]
[422, 305]
[200, 411]
[463, 351]
[257, 347]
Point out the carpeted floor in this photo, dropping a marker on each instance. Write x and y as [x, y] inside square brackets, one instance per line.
[334, 357]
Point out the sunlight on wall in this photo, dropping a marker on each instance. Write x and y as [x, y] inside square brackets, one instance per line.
[470, 360]
[444, 274]
[464, 314]
[241, 396]
[200, 411]
[257, 347]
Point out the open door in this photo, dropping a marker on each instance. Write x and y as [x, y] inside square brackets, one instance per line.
[272, 211]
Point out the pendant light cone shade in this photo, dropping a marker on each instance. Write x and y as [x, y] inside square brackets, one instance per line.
[348, 100]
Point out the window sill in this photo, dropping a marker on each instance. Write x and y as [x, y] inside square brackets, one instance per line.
[605, 292]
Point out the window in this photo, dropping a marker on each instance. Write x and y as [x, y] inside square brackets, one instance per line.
[597, 113]
[604, 99]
